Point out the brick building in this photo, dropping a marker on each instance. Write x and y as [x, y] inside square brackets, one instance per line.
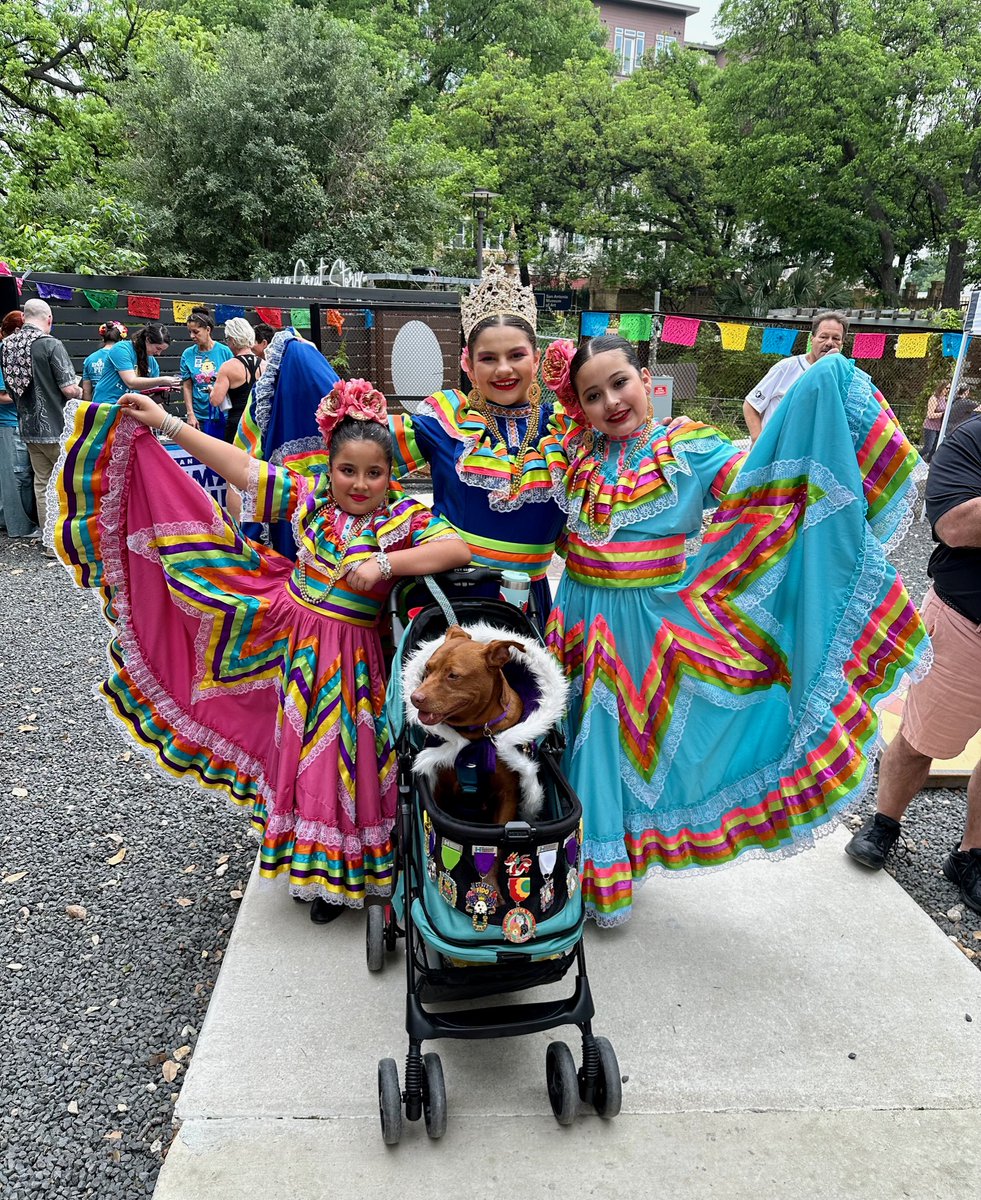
[636, 27]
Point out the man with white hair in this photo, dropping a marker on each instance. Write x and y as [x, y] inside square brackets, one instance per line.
[40, 377]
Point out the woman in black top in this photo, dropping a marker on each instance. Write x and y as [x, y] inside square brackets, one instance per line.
[235, 378]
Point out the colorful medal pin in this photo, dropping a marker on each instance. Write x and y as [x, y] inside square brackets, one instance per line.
[481, 904]
[447, 888]
[518, 925]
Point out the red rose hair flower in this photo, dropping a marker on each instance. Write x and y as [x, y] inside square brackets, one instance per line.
[355, 398]
[555, 375]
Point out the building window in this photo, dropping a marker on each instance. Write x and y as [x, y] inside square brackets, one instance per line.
[628, 46]
[664, 42]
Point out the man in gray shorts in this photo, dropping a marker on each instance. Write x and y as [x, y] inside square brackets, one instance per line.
[943, 710]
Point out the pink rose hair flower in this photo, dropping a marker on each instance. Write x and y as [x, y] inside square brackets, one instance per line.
[356, 398]
[555, 376]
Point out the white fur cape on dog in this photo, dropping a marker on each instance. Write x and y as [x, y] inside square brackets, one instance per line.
[547, 680]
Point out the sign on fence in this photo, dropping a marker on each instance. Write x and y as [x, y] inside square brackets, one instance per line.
[210, 480]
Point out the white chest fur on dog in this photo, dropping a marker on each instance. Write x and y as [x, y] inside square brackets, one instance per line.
[547, 680]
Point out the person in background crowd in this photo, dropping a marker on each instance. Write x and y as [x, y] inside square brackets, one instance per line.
[39, 375]
[942, 711]
[828, 331]
[235, 378]
[17, 504]
[111, 333]
[130, 366]
[263, 336]
[199, 369]
[936, 407]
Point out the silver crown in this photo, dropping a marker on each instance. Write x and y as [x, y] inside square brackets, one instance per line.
[497, 294]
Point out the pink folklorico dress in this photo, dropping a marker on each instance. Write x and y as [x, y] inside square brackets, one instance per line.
[234, 667]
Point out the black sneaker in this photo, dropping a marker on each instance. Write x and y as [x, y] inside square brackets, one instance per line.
[322, 912]
[963, 869]
[874, 841]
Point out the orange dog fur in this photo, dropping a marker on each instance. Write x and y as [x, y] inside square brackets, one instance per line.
[464, 687]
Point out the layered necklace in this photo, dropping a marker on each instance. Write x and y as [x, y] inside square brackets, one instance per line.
[630, 461]
[357, 527]
[517, 464]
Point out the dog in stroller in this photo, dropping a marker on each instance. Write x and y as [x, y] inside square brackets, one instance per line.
[485, 907]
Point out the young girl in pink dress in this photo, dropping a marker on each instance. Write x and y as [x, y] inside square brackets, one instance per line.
[235, 667]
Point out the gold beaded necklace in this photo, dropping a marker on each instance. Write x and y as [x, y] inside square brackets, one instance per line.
[517, 464]
[599, 447]
[358, 525]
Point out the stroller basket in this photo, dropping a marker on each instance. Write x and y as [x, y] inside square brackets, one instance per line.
[503, 886]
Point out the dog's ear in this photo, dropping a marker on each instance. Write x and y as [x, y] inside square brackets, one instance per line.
[498, 653]
[455, 631]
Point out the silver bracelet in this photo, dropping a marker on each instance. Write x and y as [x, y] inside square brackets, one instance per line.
[384, 564]
[171, 426]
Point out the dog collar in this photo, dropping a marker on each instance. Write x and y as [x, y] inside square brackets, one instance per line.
[485, 729]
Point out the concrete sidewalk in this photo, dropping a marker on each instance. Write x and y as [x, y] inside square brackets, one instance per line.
[792, 1029]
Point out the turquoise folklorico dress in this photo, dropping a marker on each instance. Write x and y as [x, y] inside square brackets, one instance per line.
[725, 707]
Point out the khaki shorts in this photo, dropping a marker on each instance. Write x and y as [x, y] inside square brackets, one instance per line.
[943, 710]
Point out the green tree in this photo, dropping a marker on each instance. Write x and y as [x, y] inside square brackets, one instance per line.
[64, 206]
[444, 41]
[279, 148]
[628, 166]
[827, 111]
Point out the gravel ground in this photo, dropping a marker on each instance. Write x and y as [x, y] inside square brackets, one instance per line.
[101, 1008]
[103, 1002]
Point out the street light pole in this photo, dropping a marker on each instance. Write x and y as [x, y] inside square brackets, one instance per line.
[481, 199]
[480, 242]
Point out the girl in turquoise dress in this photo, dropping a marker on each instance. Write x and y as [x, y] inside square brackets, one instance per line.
[723, 707]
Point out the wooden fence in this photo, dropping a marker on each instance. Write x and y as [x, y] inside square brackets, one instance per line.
[387, 326]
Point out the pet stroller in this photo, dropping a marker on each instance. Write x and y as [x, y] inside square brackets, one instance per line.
[484, 910]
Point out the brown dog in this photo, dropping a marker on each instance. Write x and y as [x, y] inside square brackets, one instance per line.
[464, 687]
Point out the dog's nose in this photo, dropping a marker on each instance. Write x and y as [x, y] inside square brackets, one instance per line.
[417, 698]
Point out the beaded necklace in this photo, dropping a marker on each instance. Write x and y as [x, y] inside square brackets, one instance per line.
[358, 525]
[517, 464]
[599, 449]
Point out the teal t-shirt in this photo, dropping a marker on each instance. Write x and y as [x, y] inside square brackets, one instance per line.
[92, 367]
[8, 412]
[202, 366]
[122, 357]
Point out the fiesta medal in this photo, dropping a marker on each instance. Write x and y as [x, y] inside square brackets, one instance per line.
[447, 888]
[518, 925]
[481, 904]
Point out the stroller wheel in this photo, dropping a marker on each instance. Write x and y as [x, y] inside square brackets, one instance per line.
[608, 1089]
[389, 1101]
[562, 1082]
[434, 1096]
[374, 937]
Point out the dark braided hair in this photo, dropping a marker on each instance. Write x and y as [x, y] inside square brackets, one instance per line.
[601, 345]
[351, 430]
[510, 320]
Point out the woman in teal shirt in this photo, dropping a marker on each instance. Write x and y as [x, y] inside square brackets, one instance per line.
[111, 332]
[199, 368]
[131, 367]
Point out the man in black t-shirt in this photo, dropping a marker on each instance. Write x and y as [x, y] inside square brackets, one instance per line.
[943, 710]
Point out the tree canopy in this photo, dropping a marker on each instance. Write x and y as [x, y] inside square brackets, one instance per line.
[842, 140]
[851, 127]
